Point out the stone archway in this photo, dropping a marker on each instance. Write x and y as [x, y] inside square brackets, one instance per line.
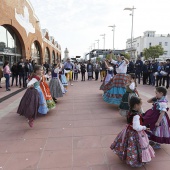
[12, 46]
[47, 55]
[36, 52]
[53, 57]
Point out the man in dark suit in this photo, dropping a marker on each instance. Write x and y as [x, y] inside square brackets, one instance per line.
[138, 66]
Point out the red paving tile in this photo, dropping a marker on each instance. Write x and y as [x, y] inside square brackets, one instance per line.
[76, 135]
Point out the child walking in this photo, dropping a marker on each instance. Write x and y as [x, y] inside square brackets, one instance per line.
[157, 119]
[132, 144]
[33, 101]
[130, 91]
[55, 85]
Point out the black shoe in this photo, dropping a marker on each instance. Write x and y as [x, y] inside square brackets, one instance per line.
[0, 87]
[8, 90]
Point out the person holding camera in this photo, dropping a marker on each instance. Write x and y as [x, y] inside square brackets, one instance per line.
[116, 87]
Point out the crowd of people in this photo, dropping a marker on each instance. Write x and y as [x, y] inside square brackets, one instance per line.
[144, 131]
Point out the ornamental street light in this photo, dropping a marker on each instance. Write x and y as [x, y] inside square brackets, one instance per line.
[103, 35]
[132, 14]
[113, 26]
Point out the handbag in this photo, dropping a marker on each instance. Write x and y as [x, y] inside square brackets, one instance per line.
[164, 73]
[156, 74]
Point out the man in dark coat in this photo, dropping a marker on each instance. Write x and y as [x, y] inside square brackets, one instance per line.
[138, 66]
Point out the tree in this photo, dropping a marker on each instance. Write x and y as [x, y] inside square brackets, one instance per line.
[153, 52]
[98, 59]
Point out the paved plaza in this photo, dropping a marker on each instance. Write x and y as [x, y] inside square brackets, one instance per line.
[76, 135]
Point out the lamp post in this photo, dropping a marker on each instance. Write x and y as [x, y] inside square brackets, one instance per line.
[98, 43]
[103, 35]
[113, 26]
[132, 14]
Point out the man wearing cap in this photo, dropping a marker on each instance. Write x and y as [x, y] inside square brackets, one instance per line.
[69, 66]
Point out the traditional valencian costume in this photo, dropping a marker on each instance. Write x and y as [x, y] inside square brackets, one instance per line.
[46, 91]
[132, 144]
[116, 87]
[124, 105]
[33, 101]
[108, 77]
[55, 85]
[159, 134]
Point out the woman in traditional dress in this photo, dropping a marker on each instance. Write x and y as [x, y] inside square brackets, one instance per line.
[33, 101]
[109, 75]
[116, 87]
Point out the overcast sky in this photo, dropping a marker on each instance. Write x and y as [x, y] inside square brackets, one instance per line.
[76, 24]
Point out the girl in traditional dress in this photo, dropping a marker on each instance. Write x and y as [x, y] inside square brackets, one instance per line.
[130, 91]
[157, 119]
[55, 86]
[64, 79]
[116, 87]
[109, 75]
[46, 91]
[33, 101]
[132, 143]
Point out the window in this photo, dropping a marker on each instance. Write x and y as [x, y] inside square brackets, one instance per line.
[138, 45]
[165, 52]
[35, 52]
[166, 43]
[160, 43]
[150, 44]
[47, 55]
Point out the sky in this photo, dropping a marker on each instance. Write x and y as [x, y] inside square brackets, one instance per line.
[77, 24]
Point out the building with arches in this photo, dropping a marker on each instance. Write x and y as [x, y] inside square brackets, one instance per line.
[21, 35]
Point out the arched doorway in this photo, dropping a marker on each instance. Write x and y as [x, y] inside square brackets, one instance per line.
[56, 56]
[36, 52]
[11, 45]
[47, 55]
[53, 57]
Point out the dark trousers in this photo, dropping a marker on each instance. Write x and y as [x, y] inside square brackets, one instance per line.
[159, 80]
[166, 78]
[83, 76]
[7, 77]
[75, 76]
[138, 74]
[22, 76]
[145, 78]
[96, 75]
[16, 79]
[152, 77]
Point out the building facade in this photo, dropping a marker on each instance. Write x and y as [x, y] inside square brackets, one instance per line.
[21, 35]
[148, 39]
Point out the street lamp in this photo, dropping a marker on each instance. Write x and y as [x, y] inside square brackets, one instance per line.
[98, 43]
[103, 35]
[113, 26]
[132, 14]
